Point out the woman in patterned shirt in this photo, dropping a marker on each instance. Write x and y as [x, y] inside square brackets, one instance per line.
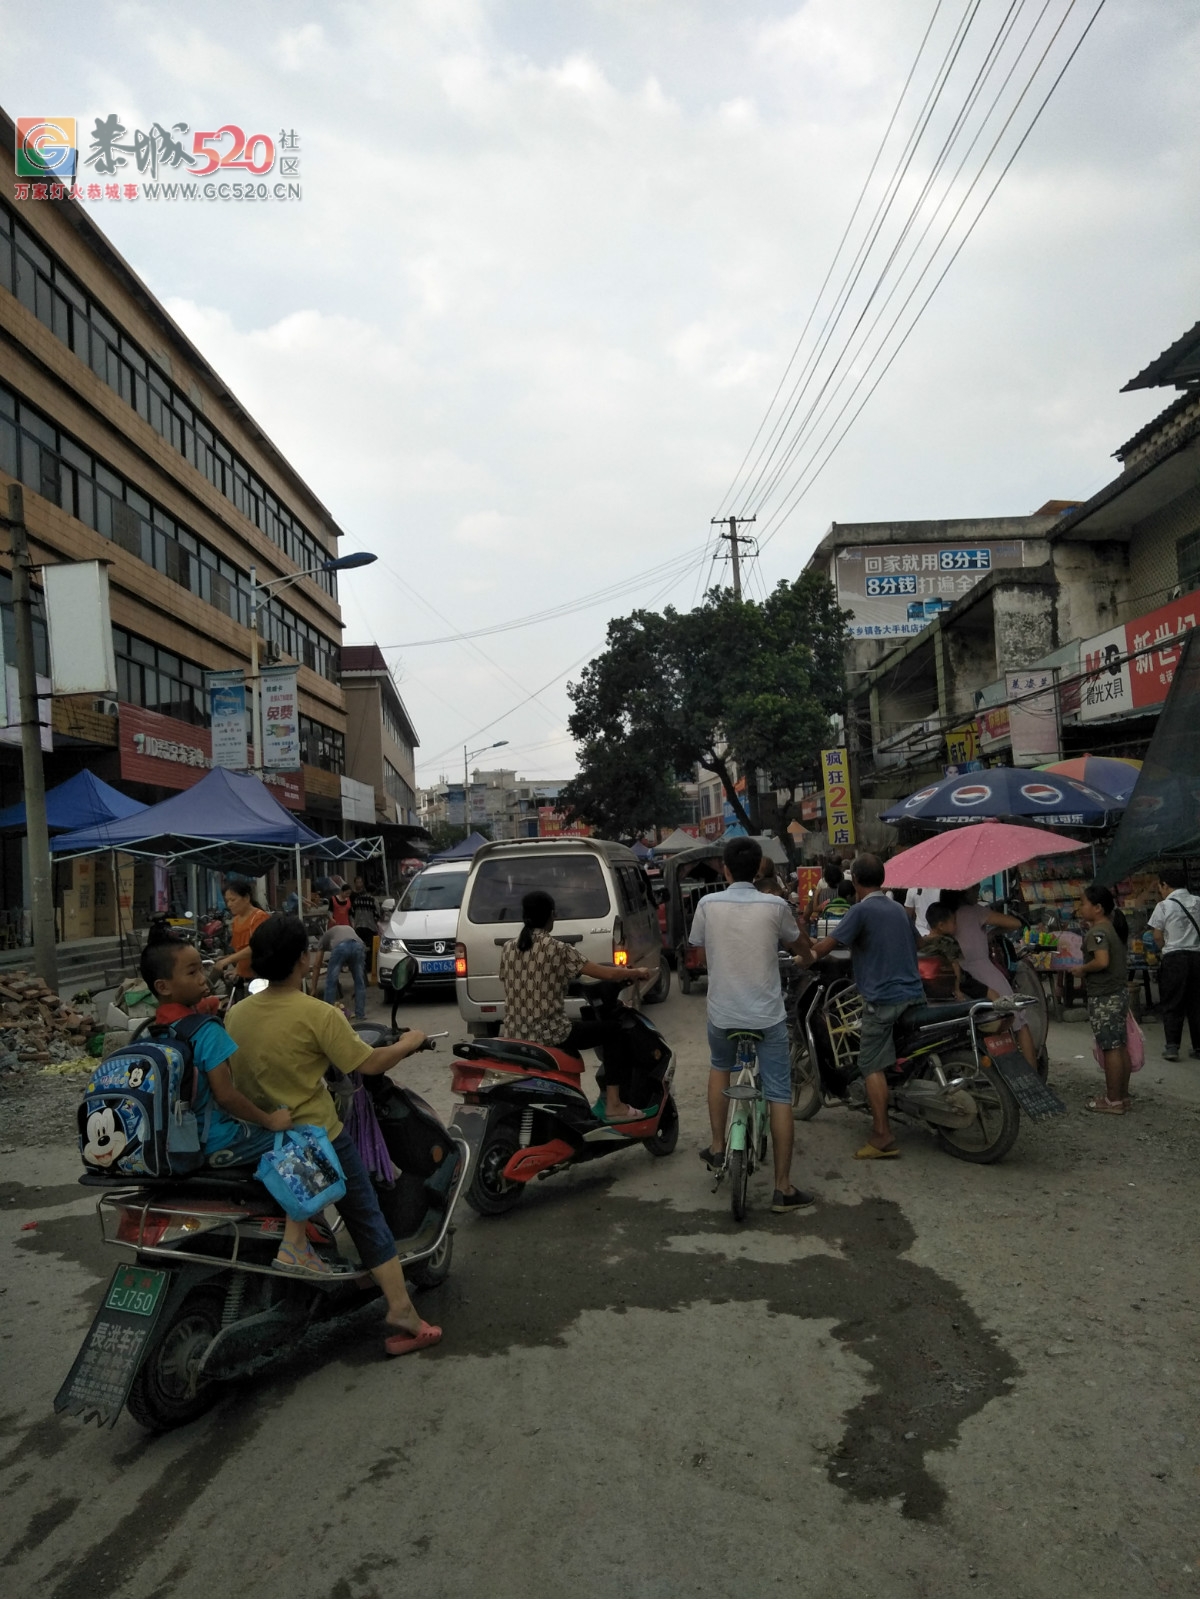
[536, 971]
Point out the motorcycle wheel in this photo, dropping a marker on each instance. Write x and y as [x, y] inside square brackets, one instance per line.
[434, 1269]
[662, 986]
[667, 1135]
[739, 1182]
[160, 1397]
[490, 1193]
[994, 1131]
[807, 1097]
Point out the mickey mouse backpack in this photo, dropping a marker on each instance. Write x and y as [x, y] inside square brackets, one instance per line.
[136, 1119]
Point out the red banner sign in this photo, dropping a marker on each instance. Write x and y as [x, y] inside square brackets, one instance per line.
[551, 824]
[172, 754]
[1155, 643]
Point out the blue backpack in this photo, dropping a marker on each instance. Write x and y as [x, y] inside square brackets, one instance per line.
[136, 1119]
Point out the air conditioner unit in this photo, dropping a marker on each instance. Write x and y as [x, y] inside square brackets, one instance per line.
[105, 707]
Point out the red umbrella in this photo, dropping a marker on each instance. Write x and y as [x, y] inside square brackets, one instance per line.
[964, 856]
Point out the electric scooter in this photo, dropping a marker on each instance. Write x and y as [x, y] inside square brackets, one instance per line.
[525, 1112]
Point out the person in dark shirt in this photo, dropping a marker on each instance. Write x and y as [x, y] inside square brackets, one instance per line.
[883, 948]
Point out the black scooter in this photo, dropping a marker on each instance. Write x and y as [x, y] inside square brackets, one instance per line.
[958, 1070]
[526, 1112]
[200, 1304]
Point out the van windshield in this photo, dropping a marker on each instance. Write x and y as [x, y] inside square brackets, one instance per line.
[574, 882]
[434, 891]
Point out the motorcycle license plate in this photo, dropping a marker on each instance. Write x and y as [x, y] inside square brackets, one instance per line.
[436, 968]
[135, 1290]
[1001, 1044]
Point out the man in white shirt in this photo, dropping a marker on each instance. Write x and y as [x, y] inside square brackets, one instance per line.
[1176, 921]
[741, 932]
[917, 902]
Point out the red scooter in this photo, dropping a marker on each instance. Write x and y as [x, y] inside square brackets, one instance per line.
[525, 1113]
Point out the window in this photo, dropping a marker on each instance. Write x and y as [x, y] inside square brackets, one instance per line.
[322, 746]
[434, 891]
[1187, 554]
[56, 467]
[396, 787]
[159, 680]
[45, 287]
[575, 882]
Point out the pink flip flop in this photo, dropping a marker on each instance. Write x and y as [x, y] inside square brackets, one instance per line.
[409, 1343]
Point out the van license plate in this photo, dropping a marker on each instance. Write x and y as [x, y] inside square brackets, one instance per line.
[436, 968]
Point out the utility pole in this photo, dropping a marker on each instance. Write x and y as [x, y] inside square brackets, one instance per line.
[45, 950]
[735, 539]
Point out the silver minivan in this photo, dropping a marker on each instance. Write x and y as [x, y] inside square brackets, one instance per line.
[602, 904]
[425, 924]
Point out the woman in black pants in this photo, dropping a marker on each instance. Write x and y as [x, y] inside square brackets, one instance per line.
[536, 971]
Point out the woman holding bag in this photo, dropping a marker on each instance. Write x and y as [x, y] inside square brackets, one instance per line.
[286, 1041]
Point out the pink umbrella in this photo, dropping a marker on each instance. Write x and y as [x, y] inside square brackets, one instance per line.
[966, 855]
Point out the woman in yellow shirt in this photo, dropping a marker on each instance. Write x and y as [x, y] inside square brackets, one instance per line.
[285, 1042]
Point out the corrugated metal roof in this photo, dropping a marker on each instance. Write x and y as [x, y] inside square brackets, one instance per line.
[1179, 364]
[1180, 403]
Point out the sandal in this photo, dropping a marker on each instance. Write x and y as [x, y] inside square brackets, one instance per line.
[1107, 1107]
[305, 1260]
[873, 1152]
[403, 1343]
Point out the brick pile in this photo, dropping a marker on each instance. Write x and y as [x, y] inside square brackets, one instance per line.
[36, 1026]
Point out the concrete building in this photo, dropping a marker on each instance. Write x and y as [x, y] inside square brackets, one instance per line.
[1070, 650]
[133, 451]
[506, 805]
[379, 788]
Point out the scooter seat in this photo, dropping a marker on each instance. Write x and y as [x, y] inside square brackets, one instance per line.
[923, 1016]
[519, 1052]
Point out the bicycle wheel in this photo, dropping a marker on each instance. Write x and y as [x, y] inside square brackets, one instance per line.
[739, 1180]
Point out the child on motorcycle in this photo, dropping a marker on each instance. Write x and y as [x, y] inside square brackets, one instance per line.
[234, 1131]
[939, 955]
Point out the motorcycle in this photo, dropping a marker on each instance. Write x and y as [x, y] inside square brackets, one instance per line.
[958, 1070]
[200, 1303]
[525, 1111]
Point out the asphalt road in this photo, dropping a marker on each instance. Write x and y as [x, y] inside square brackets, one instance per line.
[946, 1380]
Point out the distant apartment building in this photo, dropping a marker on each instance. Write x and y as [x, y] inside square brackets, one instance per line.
[506, 805]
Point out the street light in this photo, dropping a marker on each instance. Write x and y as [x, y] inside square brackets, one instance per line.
[500, 742]
[333, 563]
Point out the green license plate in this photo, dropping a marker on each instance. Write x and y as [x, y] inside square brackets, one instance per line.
[136, 1290]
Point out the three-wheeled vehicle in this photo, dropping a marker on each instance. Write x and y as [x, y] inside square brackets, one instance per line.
[687, 877]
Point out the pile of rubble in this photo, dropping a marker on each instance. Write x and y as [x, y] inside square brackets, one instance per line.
[36, 1026]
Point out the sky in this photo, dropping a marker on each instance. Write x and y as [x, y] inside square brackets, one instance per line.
[551, 261]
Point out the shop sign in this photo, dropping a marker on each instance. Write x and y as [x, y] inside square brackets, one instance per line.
[812, 807]
[168, 753]
[552, 824]
[358, 801]
[712, 827]
[962, 745]
[1034, 727]
[835, 772]
[897, 590]
[993, 727]
[1130, 668]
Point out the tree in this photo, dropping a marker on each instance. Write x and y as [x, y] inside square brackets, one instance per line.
[733, 681]
[622, 790]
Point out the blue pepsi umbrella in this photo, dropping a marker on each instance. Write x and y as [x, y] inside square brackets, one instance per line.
[1005, 792]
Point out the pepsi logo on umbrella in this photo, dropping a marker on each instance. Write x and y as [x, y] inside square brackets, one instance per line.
[1042, 793]
[970, 794]
[914, 800]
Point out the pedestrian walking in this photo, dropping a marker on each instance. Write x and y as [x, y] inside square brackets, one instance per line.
[364, 913]
[1176, 920]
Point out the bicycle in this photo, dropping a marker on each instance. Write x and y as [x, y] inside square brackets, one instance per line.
[746, 1134]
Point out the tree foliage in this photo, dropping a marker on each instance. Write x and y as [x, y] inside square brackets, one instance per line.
[732, 681]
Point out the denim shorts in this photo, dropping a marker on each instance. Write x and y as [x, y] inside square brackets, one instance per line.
[774, 1058]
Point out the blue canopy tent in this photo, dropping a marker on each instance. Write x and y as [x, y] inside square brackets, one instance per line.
[462, 851]
[82, 801]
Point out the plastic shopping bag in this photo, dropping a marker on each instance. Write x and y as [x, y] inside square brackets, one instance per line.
[1135, 1043]
[302, 1172]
